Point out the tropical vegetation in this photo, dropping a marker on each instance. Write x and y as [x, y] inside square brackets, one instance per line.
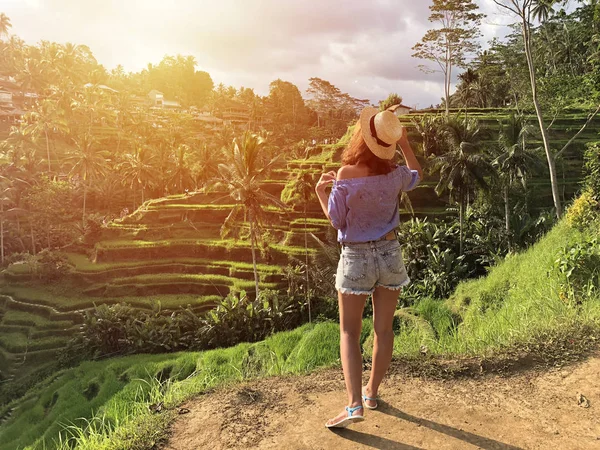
[155, 247]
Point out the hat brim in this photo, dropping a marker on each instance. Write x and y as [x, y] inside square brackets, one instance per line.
[365, 128]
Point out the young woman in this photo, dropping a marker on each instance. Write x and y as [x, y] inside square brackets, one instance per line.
[363, 207]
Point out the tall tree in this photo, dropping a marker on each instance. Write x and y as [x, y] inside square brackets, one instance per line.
[300, 190]
[453, 41]
[138, 169]
[5, 25]
[526, 11]
[181, 177]
[466, 88]
[391, 100]
[515, 160]
[5, 188]
[89, 162]
[463, 166]
[334, 108]
[242, 174]
[286, 105]
[45, 119]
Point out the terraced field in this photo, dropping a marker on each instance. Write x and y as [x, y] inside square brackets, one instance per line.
[170, 251]
[30, 336]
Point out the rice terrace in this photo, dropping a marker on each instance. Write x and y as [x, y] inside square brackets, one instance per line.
[196, 200]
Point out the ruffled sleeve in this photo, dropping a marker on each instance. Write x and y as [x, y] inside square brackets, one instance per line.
[336, 206]
[409, 179]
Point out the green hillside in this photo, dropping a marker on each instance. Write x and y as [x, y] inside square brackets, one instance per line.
[507, 314]
[169, 250]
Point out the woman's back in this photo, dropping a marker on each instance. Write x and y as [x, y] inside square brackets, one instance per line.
[364, 207]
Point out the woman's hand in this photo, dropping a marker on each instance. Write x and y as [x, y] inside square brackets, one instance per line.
[326, 178]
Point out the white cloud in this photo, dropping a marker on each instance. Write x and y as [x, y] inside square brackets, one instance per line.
[363, 47]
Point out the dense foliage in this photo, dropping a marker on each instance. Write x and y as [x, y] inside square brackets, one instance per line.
[110, 330]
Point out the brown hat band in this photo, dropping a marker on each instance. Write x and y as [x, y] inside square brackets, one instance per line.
[374, 134]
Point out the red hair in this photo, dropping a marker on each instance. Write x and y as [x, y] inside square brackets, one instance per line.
[357, 152]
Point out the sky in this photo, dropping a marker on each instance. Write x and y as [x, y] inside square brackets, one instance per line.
[362, 47]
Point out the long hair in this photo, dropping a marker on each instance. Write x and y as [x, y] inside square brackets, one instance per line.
[357, 152]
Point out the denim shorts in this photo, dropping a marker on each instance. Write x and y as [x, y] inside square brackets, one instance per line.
[366, 265]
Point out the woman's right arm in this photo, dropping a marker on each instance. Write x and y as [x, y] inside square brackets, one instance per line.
[409, 156]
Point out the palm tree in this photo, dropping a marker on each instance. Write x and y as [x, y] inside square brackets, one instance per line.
[5, 25]
[300, 190]
[542, 10]
[5, 188]
[88, 163]
[182, 175]
[206, 167]
[468, 78]
[463, 165]
[138, 169]
[242, 174]
[429, 128]
[45, 119]
[123, 105]
[18, 144]
[33, 74]
[91, 108]
[515, 160]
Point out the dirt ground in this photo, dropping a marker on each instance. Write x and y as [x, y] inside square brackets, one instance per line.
[528, 410]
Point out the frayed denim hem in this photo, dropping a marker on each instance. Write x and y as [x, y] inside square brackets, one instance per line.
[396, 288]
[353, 291]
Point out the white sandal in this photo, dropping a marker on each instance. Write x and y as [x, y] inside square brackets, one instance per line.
[347, 420]
[371, 399]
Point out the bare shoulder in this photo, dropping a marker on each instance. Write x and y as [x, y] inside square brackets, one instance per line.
[351, 171]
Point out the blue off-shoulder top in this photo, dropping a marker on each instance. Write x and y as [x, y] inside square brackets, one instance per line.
[366, 208]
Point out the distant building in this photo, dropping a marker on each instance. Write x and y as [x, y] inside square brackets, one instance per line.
[232, 112]
[157, 100]
[207, 118]
[401, 110]
[12, 101]
[6, 97]
[102, 87]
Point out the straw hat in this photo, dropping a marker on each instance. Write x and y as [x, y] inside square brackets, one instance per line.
[381, 130]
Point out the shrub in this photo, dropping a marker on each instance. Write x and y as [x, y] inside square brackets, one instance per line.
[578, 269]
[121, 329]
[47, 265]
[592, 168]
[583, 211]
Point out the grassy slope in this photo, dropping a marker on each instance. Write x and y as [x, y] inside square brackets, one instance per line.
[517, 301]
[120, 389]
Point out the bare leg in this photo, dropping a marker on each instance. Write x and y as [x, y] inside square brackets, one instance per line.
[351, 310]
[384, 305]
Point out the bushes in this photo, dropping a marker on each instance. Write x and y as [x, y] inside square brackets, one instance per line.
[578, 270]
[592, 167]
[583, 211]
[586, 208]
[45, 266]
[121, 329]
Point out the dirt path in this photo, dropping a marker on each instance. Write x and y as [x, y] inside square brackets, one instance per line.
[530, 410]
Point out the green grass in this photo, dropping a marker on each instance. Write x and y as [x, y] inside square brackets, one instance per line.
[83, 264]
[190, 206]
[154, 279]
[115, 394]
[33, 320]
[15, 342]
[310, 221]
[125, 244]
[68, 298]
[516, 302]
